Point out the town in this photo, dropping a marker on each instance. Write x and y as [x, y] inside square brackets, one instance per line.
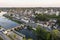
[30, 23]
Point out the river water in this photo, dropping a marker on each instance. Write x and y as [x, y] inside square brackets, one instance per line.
[6, 23]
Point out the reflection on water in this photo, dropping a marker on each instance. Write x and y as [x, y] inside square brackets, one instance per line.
[28, 33]
[6, 23]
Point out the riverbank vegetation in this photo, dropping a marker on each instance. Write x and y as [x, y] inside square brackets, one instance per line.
[11, 18]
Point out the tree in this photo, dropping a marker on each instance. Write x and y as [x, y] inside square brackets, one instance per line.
[42, 34]
[11, 14]
[41, 17]
[29, 27]
[55, 34]
[58, 21]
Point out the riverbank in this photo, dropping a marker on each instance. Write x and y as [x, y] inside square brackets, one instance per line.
[11, 18]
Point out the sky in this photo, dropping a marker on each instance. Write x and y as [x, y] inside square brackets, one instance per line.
[29, 3]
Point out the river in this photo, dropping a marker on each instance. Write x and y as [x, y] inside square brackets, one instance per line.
[6, 23]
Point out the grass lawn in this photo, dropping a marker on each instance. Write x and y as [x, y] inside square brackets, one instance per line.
[27, 39]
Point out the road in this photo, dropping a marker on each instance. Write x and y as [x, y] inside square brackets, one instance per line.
[4, 36]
